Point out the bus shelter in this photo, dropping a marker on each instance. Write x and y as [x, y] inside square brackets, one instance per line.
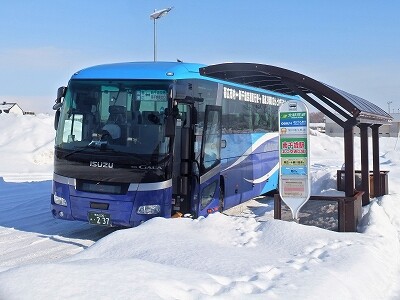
[345, 109]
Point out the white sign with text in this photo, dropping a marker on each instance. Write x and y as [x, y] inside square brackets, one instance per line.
[294, 155]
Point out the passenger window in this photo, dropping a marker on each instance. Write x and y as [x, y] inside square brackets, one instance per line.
[211, 153]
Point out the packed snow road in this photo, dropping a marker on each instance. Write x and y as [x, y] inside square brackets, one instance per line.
[28, 232]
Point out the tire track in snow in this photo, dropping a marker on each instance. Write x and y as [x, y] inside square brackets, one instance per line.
[28, 232]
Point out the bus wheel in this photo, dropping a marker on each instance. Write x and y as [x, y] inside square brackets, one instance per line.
[221, 199]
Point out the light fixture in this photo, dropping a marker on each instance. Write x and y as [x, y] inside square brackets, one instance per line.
[157, 14]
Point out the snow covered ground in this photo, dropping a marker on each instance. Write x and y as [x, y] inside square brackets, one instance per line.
[247, 255]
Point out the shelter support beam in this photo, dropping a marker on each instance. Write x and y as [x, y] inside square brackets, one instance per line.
[375, 160]
[314, 103]
[349, 160]
[333, 106]
[364, 163]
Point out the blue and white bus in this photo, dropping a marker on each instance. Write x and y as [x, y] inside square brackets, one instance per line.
[145, 139]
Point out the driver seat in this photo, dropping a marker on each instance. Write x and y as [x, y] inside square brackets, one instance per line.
[117, 115]
[117, 118]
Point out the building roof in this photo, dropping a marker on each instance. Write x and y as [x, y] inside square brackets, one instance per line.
[6, 106]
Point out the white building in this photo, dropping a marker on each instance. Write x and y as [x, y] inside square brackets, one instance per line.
[389, 130]
[318, 126]
[11, 108]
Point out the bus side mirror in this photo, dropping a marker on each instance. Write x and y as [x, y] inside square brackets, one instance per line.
[178, 91]
[60, 94]
[181, 91]
[57, 106]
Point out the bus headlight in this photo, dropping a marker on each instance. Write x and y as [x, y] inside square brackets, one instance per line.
[149, 209]
[59, 200]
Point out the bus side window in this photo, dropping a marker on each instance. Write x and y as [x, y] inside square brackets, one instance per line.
[211, 140]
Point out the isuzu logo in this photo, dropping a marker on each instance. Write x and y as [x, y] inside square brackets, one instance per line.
[101, 164]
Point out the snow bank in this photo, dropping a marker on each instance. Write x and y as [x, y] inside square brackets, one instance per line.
[26, 144]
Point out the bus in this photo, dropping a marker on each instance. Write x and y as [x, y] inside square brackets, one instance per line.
[141, 140]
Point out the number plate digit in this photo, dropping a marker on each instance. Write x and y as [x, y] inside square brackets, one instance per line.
[101, 219]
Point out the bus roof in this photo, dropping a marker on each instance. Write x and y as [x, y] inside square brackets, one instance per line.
[158, 71]
[141, 70]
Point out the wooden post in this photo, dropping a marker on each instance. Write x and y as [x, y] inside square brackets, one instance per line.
[277, 206]
[375, 160]
[349, 160]
[364, 163]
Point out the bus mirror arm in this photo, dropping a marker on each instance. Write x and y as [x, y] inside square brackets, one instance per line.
[56, 119]
[170, 125]
[171, 116]
[57, 106]
[175, 112]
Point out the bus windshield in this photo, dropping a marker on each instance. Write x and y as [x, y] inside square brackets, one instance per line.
[124, 116]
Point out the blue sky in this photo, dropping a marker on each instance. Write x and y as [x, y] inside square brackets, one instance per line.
[353, 45]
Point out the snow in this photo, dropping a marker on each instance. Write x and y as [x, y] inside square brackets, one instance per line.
[241, 254]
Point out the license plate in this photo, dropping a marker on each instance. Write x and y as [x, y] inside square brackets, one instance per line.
[101, 219]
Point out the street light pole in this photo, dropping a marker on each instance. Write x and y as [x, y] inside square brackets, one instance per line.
[388, 103]
[155, 40]
[155, 16]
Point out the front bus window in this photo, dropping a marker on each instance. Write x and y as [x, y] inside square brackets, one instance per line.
[125, 116]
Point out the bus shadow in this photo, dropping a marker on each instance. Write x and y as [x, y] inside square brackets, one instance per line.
[259, 207]
[25, 206]
[262, 206]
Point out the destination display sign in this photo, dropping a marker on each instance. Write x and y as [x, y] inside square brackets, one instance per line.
[294, 179]
[151, 95]
[252, 97]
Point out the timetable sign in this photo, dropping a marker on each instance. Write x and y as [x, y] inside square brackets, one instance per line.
[294, 177]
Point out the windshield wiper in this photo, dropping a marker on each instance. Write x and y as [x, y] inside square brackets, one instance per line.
[164, 159]
[81, 149]
[99, 145]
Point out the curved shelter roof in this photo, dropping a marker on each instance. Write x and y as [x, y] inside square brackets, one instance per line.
[342, 107]
[345, 109]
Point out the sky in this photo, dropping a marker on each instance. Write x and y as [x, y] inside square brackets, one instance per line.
[352, 45]
[242, 253]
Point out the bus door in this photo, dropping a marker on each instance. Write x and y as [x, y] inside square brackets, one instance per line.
[182, 174]
[210, 160]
